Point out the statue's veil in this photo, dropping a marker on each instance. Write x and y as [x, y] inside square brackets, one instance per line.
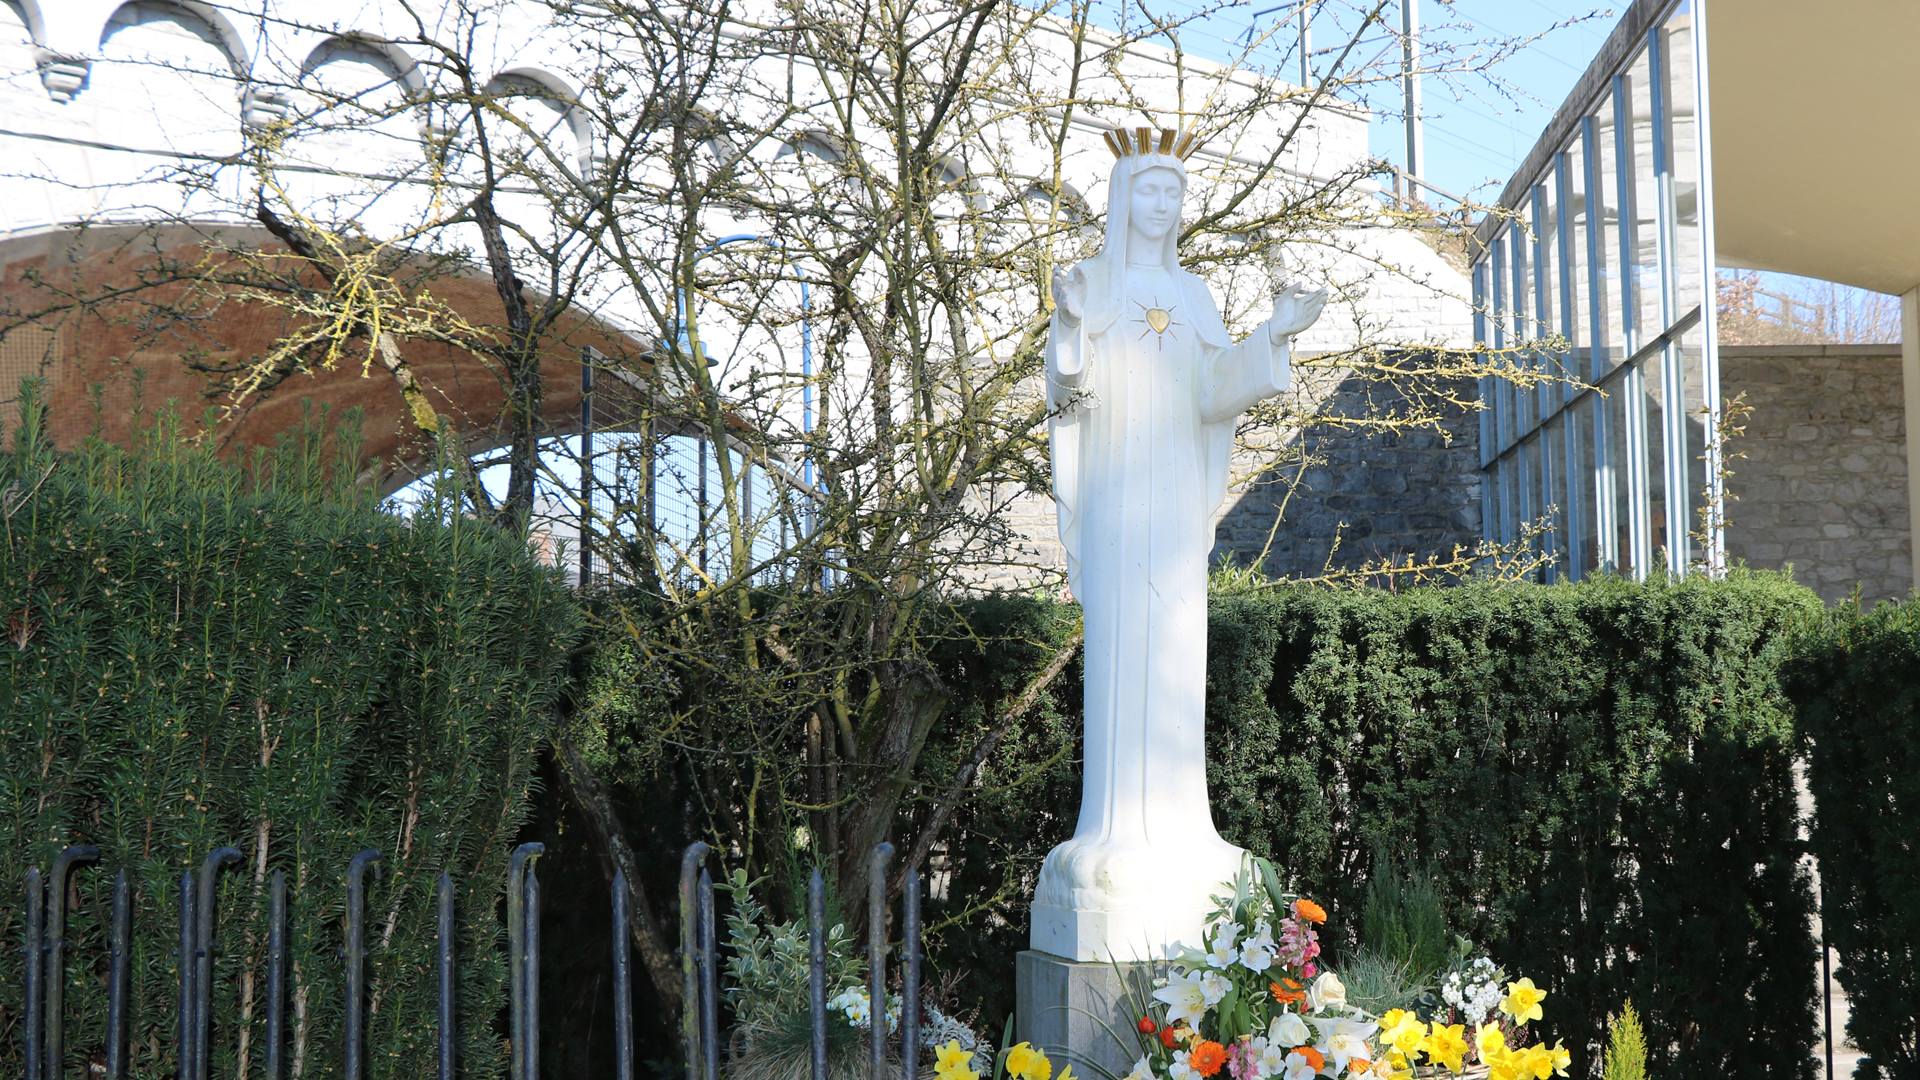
[1107, 271]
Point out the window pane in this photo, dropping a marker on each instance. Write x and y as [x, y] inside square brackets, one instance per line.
[1642, 242]
[1570, 267]
[1557, 494]
[1604, 189]
[1654, 392]
[1480, 332]
[1693, 370]
[1508, 503]
[1546, 278]
[1524, 416]
[1582, 518]
[1502, 390]
[1621, 531]
[1524, 484]
[1683, 144]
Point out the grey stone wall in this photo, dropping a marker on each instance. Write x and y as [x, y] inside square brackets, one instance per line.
[1363, 496]
[1823, 483]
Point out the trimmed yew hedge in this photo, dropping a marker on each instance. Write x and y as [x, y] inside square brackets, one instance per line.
[200, 654]
[1856, 679]
[1598, 775]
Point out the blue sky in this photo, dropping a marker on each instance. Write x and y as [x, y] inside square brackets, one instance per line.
[1478, 128]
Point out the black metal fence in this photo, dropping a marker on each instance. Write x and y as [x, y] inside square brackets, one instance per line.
[46, 978]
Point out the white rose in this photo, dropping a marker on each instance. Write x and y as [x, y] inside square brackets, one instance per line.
[1289, 1031]
[1327, 992]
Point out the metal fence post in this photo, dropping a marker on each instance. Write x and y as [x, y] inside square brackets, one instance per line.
[817, 969]
[709, 982]
[203, 956]
[533, 974]
[276, 975]
[622, 983]
[185, 1011]
[117, 978]
[36, 911]
[910, 979]
[357, 961]
[517, 942]
[443, 966]
[877, 955]
[55, 1031]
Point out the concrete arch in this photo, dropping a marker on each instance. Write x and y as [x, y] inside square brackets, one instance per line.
[35, 19]
[400, 64]
[577, 120]
[226, 36]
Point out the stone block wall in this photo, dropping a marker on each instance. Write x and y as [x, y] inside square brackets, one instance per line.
[1363, 495]
[1822, 484]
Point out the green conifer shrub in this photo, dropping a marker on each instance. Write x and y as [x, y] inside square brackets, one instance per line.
[1599, 777]
[1626, 1048]
[202, 653]
[1856, 679]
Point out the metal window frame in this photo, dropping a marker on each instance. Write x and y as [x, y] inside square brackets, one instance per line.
[1647, 352]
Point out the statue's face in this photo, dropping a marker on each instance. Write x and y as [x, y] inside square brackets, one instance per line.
[1155, 206]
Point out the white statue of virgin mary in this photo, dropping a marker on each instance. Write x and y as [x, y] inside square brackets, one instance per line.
[1148, 386]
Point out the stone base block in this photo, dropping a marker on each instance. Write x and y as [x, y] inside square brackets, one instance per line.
[1082, 1012]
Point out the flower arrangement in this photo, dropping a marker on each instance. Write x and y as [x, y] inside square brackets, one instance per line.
[1253, 1000]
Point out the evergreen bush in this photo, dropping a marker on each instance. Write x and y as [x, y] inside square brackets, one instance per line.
[203, 654]
[1598, 776]
[1856, 679]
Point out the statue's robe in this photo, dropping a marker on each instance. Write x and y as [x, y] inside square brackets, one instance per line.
[1141, 449]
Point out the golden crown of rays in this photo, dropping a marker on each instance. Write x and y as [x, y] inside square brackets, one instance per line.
[1146, 140]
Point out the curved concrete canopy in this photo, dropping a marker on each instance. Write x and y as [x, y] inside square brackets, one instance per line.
[1816, 138]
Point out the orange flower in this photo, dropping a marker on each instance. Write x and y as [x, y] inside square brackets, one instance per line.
[1207, 1058]
[1285, 996]
[1309, 910]
[1314, 1057]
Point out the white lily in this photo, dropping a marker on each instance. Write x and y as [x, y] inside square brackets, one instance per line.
[1269, 1058]
[1180, 1070]
[1223, 953]
[1257, 951]
[1342, 1039]
[1297, 1068]
[1141, 1071]
[1189, 996]
[1289, 1030]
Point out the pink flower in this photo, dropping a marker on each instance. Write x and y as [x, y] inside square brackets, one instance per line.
[1242, 1063]
[1298, 944]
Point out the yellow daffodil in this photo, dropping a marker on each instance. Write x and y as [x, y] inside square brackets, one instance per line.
[1407, 1036]
[1447, 1046]
[951, 1058]
[1523, 1001]
[1504, 1064]
[1538, 1060]
[1488, 1039]
[1391, 1019]
[1066, 1073]
[1026, 1062]
[1561, 1059]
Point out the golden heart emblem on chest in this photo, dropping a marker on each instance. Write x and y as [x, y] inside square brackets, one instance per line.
[1159, 319]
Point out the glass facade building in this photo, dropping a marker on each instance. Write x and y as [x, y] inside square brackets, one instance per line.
[1594, 284]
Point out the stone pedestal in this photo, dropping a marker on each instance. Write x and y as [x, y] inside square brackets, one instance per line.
[1082, 1010]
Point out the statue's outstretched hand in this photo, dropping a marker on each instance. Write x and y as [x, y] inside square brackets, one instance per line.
[1295, 307]
[1070, 292]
